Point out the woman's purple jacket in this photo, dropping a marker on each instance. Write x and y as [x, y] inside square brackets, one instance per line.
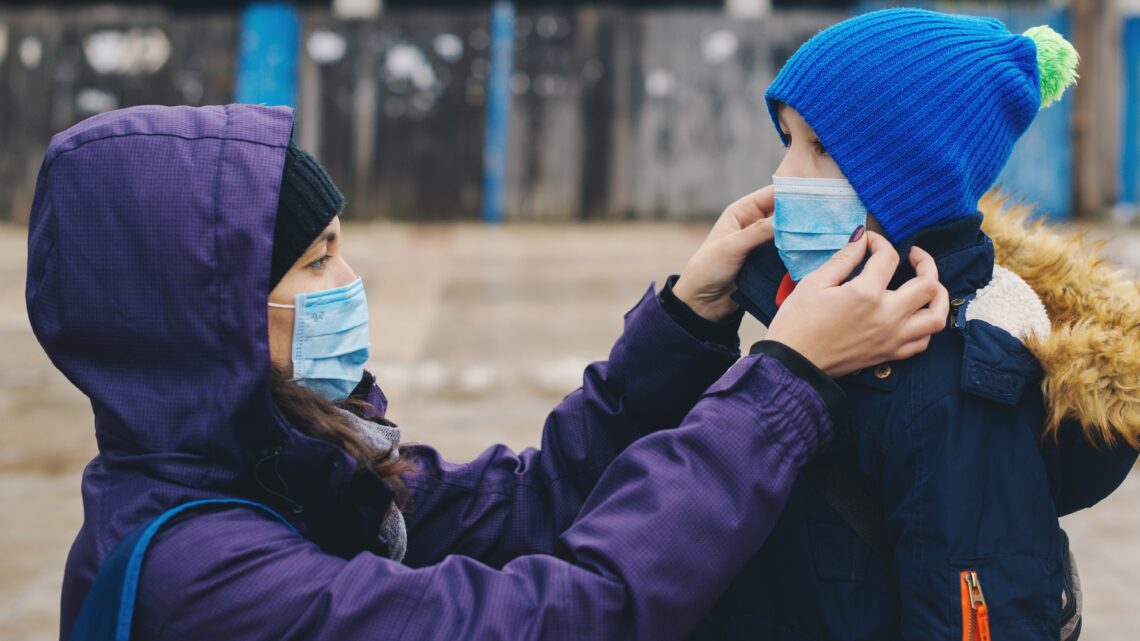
[149, 253]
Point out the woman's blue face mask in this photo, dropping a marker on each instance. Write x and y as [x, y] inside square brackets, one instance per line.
[814, 218]
[330, 339]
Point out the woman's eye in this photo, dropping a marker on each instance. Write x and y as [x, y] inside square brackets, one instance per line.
[319, 264]
[819, 148]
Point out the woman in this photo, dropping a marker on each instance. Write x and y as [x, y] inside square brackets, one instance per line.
[157, 238]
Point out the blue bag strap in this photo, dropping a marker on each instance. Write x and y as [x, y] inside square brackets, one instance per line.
[109, 608]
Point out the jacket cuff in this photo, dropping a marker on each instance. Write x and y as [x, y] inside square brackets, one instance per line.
[662, 368]
[725, 332]
[830, 391]
[768, 392]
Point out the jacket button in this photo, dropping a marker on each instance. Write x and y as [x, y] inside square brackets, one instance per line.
[958, 302]
[882, 371]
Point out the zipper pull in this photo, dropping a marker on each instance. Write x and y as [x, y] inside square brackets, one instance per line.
[955, 305]
[981, 614]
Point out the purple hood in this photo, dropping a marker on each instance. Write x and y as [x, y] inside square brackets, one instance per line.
[151, 234]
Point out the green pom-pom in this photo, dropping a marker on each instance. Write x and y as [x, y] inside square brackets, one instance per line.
[1056, 63]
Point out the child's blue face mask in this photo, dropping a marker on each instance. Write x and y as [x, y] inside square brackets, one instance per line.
[330, 339]
[814, 218]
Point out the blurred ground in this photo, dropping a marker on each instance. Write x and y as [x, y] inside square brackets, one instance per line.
[477, 332]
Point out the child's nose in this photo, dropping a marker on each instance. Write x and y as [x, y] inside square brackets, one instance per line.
[797, 165]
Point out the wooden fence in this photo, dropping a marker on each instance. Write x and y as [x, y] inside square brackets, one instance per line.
[615, 113]
[58, 67]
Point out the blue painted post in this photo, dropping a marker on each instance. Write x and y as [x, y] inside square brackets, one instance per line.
[1040, 170]
[267, 54]
[1130, 147]
[498, 110]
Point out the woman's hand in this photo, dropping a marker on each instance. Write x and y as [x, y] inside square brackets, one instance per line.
[708, 280]
[842, 326]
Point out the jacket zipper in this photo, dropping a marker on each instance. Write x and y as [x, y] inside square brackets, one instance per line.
[955, 305]
[975, 614]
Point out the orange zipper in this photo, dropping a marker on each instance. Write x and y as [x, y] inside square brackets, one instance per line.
[975, 614]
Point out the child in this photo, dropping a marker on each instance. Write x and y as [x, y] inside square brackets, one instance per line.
[934, 513]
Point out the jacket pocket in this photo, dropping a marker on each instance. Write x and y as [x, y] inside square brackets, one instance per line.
[1017, 596]
[838, 552]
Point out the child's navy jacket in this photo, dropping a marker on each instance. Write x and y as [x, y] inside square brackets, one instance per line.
[953, 445]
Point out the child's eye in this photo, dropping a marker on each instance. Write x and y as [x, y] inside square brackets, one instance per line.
[819, 148]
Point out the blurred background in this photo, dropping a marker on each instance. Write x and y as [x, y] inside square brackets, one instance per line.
[517, 175]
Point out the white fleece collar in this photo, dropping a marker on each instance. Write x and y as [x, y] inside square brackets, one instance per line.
[1010, 303]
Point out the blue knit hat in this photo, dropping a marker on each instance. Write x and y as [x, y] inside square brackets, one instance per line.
[919, 109]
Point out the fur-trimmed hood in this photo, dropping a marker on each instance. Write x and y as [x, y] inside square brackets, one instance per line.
[1091, 353]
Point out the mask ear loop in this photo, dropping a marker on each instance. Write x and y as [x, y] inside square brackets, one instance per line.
[281, 306]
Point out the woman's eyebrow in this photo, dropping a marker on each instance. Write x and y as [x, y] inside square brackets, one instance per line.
[323, 239]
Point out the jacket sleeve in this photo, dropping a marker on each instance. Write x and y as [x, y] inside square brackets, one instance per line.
[1081, 473]
[501, 504]
[670, 522]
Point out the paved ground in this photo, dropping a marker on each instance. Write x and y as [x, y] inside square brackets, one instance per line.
[478, 331]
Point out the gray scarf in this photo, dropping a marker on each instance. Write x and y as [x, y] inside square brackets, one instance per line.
[384, 437]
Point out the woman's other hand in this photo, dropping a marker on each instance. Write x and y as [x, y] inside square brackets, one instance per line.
[709, 279]
[842, 326]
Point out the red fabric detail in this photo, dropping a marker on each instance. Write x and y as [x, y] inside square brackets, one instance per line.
[787, 286]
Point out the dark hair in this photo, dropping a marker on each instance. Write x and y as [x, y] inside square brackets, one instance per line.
[318, 417]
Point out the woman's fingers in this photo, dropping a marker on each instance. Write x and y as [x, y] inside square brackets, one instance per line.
[709, 278]
[922, 306]
[881, 266]
[924, 289]
[839, 267]
[917, 293]
[891, 325]
[909, 350]
[922, 324]
[876, 274]
[922, 262]
[739, 244]
[940, 305]
[763, 203]
[755, 206]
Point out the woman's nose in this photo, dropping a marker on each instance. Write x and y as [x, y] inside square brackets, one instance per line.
[343, 274]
